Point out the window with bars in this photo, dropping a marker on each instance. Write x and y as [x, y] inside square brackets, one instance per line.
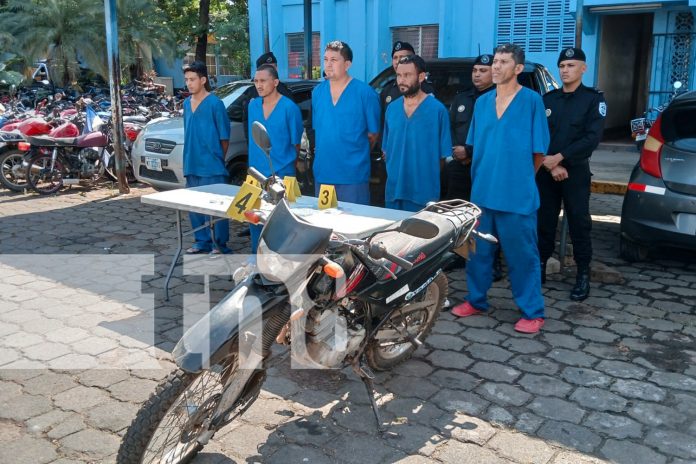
[296, 55]
[536, 25]
[224, 64]
[425, 39]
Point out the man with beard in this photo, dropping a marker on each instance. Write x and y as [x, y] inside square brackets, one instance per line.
[416, 140]
[283, 121]
[345, 118]
[509, 135]
[391, 91]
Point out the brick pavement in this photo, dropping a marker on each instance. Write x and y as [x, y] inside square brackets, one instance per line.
[609, 380]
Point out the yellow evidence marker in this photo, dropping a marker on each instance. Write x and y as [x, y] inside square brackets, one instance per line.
[292, 188]
[251, 180]
[248, 197]
[327, 197]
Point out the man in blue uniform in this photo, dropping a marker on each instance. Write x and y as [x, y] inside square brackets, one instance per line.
[345, 118]
[576, 121]
[206, 138]
[509, 135]
[416, 140]
[283, 120]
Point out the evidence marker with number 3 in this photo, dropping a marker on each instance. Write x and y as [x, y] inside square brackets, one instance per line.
[327, 197]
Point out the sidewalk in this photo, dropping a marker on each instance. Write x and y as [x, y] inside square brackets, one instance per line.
[611, 166]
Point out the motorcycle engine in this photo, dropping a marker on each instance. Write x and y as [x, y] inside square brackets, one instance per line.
[90, 160]
[329, 339]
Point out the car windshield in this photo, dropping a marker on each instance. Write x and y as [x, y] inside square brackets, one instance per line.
[229, 93]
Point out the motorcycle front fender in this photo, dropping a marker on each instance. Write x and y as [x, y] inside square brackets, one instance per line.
[210, 339]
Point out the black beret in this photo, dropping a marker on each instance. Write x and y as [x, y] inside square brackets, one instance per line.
[571, 54]
[485, 60]
[399, 45]
[266, 58]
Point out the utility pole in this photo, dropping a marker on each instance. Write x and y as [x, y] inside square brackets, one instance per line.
[578, 23]
[308, 38]
[115, 88]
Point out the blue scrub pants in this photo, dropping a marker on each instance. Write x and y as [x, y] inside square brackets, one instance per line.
[222, 228]
[403, 205]
[352, 193]
[517, 234]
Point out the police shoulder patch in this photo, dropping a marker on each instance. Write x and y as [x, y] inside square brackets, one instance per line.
[602, 109]
[389, 98]
[461, 108]
[548, 112]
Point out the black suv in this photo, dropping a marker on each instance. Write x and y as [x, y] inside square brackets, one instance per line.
[449, 76]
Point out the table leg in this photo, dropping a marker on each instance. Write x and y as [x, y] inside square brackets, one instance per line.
[180, 241]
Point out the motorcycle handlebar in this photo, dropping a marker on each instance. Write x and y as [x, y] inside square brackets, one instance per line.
[378, 251]
[257, 175]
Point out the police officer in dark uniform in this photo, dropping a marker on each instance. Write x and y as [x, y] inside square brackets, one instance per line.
[461, 112]
[576, 115]
[391, 91]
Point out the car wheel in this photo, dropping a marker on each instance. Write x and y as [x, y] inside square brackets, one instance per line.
[631, 251]
[238, 171]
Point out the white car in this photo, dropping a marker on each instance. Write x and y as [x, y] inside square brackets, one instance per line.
[158, 152]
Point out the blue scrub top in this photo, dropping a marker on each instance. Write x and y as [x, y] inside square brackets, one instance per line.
[203, 131]
[342, 154]
[414, 147]
[502, 168]
[284, 126]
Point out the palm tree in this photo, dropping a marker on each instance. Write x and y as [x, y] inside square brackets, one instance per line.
[61, 31]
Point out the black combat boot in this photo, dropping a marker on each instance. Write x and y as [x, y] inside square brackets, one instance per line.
[582, 284]
[543, 272]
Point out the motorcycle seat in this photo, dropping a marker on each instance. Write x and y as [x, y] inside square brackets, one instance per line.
[44, 141]
[410, 247]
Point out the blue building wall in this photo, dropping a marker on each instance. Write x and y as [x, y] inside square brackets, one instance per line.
[465, 27]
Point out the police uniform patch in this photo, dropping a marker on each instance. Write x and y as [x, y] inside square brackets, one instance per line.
[548, 112]
[603, 109]
[569, 53]
[485, 59]
[397, 47]
[269, 59]
[461, 108]
[389, 99]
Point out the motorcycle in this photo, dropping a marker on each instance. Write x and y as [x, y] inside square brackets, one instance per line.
[641, 126]
[336, 301]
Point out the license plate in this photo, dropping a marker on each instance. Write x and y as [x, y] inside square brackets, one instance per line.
[640, 137]
[637, 125]
[153, 164]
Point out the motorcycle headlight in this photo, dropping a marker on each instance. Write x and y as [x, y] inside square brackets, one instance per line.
[282, 268]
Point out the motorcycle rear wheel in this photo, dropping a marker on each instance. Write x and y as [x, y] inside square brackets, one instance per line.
[43, 179]
[12, 173]
[420, 315]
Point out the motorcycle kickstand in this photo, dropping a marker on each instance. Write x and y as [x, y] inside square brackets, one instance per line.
[366, 375]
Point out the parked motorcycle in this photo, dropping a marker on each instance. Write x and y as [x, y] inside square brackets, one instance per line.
[337, 301]
[641, 126]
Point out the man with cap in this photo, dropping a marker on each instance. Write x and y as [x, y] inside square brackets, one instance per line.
[416, 140]
[391, 91]
[458, 170]
[576, 115]
[345, 118]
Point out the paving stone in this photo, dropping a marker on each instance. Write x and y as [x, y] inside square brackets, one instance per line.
[80, 398]
[572, 358]
[620, 427]
[544, 385]
[49, 384]
[556, 409]
[585, 321]
[644, 311]
[414, 438]
[503, 394]
[134, 390]
[629, 330]
[528, 423]
[569, 457]
[27, 450]
[44, 422]
[465, 428]
[570, 435]
[598, 399]
[94, 443]
[534, 364]
[660, 324]
[524, 346]
[413, 368]
[446, 342]
[585, 377]
[296, 453]
[672, 306]
[656, 415]
[455, 380]
[450, 360]
[562, 341]
[483, 336]
[467, 453]
[621, 369]
[362, 448]
[102, 377]
[626, 451]
[499, 416]
[640, 390]
[115, 416]
[459, 401]
[672, 380]
[24, 407]
[68, 426]
[488, 352]
[495, 371]
[414, 387]
[413, 410]
[521, 448]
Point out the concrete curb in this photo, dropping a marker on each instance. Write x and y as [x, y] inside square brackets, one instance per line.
[609, 188]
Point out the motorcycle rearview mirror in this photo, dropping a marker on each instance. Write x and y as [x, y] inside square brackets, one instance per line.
[417, 227]
[677, 85]
[261, 138]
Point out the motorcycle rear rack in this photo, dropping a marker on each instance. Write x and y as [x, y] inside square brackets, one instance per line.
[460, 210]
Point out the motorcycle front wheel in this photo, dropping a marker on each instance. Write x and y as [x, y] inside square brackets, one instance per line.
[12, 173]
[392, 345]
[45, 176]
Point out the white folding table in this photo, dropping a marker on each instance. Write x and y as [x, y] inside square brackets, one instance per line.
[349, 219]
